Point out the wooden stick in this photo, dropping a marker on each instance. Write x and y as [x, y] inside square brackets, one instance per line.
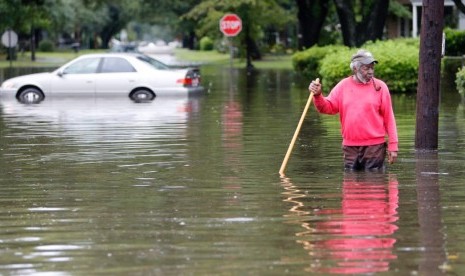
[296, 133]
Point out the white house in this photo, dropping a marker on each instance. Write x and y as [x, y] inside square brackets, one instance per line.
[402, 27]
[416, 9]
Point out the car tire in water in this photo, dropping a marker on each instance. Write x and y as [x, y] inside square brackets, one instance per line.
[31, 95]
[142, 95]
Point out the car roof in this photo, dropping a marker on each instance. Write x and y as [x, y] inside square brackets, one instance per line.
[111, 55]
[136, 57]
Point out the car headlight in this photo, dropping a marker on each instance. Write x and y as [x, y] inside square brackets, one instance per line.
[8, 85]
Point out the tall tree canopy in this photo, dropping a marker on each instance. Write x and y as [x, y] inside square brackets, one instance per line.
[319, 21]
[255, 15]
[169, 13]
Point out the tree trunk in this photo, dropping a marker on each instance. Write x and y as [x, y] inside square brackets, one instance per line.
[345, 12]
[375, 21]
[248, 52]
[252, 52]
[432, 21]
[115, 25]
[188, 40]
[371, 27]
[311, 15]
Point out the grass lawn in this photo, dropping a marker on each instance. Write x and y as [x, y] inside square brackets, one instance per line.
[43, 59]
[268, 61]
[55, 59]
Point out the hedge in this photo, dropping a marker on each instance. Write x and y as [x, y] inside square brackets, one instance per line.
[308, 62]
[398, 63]
[455, 42]
[46, 46]
[206, 43]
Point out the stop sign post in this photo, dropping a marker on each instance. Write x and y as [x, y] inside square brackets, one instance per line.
[230, 26]
[10, 39]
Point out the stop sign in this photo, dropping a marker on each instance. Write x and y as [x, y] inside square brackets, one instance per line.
[230, 24]
[9, 39]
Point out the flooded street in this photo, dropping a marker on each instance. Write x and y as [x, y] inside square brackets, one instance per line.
[190, 186]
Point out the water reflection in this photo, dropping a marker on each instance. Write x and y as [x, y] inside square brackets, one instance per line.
[60, 136]
[432, 239]
[231, 138]
[91, 120]
[178, 186]
[232, 142]
[358, 236]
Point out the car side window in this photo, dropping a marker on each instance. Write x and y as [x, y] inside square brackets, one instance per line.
[83, 66]
[116, 65]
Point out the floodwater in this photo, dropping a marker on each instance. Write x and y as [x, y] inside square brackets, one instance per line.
[190, 186]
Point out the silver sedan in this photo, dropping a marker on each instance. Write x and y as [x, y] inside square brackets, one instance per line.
[137, 76]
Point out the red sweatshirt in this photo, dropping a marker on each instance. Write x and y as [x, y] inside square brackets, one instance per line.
[366, 115]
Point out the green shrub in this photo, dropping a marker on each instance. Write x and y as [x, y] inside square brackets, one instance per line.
[406, 41]
[278, 49]
[334, 67]
[398, 64]
[460, 80]
[46, 46]
[308, 62]
[449, 67]
[455, 42]
[206, 44]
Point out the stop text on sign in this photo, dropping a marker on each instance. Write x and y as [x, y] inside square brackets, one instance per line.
[230, 24]
[233, 25]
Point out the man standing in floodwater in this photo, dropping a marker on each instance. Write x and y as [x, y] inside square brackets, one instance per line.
[366, 115]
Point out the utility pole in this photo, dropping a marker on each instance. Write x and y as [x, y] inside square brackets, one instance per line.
[429, 74]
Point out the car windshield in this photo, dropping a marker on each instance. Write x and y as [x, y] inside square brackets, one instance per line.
[153, 62]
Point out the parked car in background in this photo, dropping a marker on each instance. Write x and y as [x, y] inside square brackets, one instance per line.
[137, 76]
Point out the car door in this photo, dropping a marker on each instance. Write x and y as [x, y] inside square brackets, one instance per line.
[77, 78]
[116, 76]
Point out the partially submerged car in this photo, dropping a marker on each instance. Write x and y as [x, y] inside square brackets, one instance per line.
[137, 76]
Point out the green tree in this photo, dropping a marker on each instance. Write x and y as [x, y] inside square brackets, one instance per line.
[169, 13]
[77, 20]
[118, 14]
[255, 15]
[14, 13]
[20, 15]
[85, 20]
[361, 20]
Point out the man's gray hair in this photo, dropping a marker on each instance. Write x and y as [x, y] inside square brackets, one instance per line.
[355, 65]
[362, 57]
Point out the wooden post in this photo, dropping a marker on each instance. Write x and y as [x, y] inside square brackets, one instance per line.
[296, 133]
[429, 74]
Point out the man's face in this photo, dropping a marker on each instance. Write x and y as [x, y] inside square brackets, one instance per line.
[366, 72]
